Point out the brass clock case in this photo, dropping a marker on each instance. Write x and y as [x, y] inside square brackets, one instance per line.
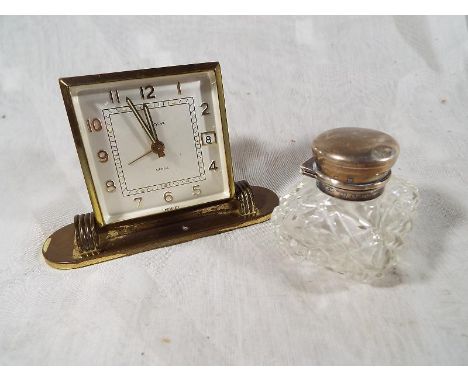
[67, 83]
[88, 240]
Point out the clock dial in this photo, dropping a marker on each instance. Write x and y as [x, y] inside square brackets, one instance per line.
[152, 144]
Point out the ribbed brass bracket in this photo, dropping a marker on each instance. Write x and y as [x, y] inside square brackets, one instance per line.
[246, 199]
[85, 243]
[86, 236]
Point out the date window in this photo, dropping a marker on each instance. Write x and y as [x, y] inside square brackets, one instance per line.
[208, 138]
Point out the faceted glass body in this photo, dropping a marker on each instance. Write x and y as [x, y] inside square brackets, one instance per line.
[357, 239]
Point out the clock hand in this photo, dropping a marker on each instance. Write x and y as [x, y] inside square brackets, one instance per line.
[149, 120]
[158, 146]
[140, 120]
[141, 156]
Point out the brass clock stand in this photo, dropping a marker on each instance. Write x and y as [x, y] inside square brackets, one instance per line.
[85, 243]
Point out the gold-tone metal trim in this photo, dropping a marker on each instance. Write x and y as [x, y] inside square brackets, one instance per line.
[61, 251]
[67, 100]
[68, 82]
[86, 236]
[224, 124]
[138, 74]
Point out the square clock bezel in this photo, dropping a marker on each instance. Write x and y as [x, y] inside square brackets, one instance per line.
[69, 82]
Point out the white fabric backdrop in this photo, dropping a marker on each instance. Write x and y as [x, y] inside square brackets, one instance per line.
[235, 298]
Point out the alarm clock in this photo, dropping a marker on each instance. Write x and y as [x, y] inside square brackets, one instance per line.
[153, 145]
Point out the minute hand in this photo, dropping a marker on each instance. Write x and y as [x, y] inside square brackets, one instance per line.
[140, 120]
[158, 146]
[149, 121]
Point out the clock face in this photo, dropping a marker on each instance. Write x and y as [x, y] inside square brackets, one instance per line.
[152, 144]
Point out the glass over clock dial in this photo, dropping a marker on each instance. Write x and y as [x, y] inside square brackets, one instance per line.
[151, 141]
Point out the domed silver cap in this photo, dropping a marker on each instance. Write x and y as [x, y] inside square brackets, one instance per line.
[352, 163]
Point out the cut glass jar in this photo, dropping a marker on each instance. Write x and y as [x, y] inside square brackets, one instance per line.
[348, 214]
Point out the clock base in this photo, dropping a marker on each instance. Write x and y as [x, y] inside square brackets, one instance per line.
[84, 243]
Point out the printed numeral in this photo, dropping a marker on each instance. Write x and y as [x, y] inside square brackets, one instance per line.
[205, 110]
[147, 92]
[94, 125]
[114, 96]
[168, 196]
[110, 186]
[102, 155]
[213, 166]
[138, 200]
[196, 190]
[208, 138]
